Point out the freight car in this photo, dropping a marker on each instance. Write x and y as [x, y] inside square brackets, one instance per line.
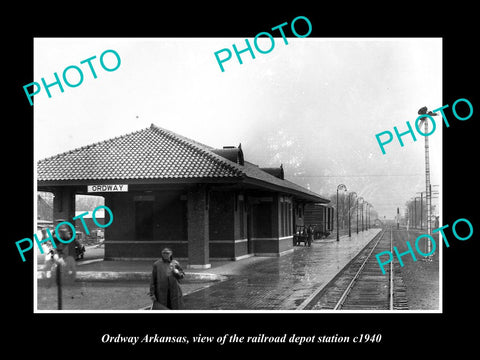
[320, 216]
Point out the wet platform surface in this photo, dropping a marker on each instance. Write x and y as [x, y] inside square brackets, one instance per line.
[288, 282]
[283, 283]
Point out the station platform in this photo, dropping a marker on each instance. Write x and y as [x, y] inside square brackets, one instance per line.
[288, 282]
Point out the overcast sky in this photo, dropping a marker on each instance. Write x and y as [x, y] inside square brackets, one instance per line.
[313, 105]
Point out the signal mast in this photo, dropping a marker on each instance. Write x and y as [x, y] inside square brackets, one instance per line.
[428, 186]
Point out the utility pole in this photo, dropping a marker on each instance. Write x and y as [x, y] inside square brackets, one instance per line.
[349, 214]
[414, 212]
[349, 223]
[357, 215]
[421, 210]
[398, 218]
[344, 188]
[366, 215]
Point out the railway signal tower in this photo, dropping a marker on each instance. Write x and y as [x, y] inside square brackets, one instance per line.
[428, 186]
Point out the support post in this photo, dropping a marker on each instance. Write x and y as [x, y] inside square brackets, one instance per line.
[198, 231]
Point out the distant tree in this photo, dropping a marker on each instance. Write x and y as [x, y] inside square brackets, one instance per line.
[82, 203]
[417, 212]
[88, 202]
[44, 208]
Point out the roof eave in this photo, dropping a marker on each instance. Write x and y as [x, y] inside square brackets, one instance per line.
[144, 181]
[299, 194]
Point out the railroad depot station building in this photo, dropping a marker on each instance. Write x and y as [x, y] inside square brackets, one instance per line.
[171, 191]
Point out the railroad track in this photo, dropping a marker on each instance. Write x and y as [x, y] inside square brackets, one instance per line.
[361, 285]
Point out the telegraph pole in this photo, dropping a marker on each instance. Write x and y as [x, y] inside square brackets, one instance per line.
[344, 188]
[349, 214]
[398, 218]
[421, 210]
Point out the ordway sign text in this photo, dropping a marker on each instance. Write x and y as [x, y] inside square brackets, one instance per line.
[107, 188]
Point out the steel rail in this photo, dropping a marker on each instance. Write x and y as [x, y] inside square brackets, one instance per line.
[340, 302]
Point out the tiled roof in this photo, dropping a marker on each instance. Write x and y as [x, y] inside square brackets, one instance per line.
[152, 153]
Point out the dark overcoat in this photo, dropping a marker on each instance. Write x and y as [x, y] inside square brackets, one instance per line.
[164, 285]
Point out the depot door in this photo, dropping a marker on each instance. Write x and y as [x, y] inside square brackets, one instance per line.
[144, 220]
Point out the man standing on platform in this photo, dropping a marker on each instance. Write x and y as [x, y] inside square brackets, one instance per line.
[165, 291]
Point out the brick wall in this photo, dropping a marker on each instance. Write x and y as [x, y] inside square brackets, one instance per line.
[221, 215]
[198, 231]
[169, 225]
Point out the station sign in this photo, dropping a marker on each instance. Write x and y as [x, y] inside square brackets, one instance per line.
[107, 188]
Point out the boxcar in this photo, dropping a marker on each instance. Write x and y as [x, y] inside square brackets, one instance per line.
[320, 216]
